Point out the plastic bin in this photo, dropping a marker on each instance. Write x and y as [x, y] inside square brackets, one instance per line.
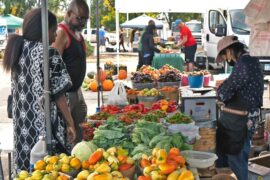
[162, 84]
[140, 86]
[184, 80]
[198, 159]
[195, 81]
[206, 80]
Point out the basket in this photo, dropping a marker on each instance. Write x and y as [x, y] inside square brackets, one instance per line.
[140, 86]
[171, 95]
[132, 99]
[129, 173]
[195, 81]
[147, 101]
[162, 84]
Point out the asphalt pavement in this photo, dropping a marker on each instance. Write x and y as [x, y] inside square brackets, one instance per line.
[6, 127]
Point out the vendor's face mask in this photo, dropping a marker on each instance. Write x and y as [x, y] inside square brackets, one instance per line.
[230, 62]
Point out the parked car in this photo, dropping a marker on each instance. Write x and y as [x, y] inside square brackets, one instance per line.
[111, 37]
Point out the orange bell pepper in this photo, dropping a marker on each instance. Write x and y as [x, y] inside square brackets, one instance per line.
[95, 157]
[167, 168]
[124, 167]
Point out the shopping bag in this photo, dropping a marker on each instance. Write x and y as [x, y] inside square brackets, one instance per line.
[118, 95]
[259, 43]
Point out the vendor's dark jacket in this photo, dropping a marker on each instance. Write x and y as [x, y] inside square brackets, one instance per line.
[148, 46]
[246, 80]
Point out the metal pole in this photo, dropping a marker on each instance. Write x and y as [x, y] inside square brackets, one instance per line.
[117, 37]
[97, 32]
[45, 41]
[89, 23]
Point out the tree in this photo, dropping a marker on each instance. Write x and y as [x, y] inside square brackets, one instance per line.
[21, 7]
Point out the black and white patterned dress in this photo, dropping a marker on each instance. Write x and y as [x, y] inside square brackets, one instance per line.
[27, 91]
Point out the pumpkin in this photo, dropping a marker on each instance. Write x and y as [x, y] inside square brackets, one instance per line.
[102, 75]
[122, 74]
[107, 85]
[93, 86]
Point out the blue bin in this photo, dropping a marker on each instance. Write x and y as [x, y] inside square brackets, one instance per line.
[195, 81]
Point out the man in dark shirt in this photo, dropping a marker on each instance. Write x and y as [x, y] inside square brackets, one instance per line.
[241, 98]
[71, 46]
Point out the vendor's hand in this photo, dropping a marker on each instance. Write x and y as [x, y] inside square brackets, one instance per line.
[249, 124]
[71, 134]
[218, 83]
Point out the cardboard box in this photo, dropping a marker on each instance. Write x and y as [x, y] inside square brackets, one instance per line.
[259, 168]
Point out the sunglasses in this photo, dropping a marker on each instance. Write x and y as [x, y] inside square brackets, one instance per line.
[81, 19]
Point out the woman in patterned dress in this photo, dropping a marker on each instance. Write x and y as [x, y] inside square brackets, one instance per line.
[24, 58]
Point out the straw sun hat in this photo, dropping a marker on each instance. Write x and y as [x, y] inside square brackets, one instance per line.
[224, 43]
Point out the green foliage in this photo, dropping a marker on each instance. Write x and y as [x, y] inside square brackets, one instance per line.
[89, 48]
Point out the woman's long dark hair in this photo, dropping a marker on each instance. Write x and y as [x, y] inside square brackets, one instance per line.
[32, 31]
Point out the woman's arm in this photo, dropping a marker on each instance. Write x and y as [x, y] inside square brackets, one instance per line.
[182, 41]
[61, 103]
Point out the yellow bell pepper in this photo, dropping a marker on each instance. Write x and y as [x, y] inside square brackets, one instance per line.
[161, 156]
[186, 175]
[105, 176]
[174, 175]
[103, 168]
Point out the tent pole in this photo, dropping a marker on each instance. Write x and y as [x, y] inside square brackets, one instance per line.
[89, 23]
[45, 41]
[117, 37]
[97, 38]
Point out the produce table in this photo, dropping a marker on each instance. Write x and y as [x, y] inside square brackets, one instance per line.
[173, 59]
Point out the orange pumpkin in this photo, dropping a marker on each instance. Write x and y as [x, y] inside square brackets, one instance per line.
[107, 85]
[93, 86]
[122, 74]
[102, 75]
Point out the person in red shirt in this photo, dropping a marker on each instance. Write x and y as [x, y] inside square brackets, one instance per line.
[188, 41]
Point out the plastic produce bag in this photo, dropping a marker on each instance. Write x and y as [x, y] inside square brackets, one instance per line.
[191, 131]
[118, 95]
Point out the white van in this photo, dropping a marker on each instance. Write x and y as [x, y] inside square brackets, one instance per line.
[111, 37]
[3, 34]
[218, 23]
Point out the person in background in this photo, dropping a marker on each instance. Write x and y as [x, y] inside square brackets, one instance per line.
[132, 36]
[240, 99]
[24, 58]
[188, 42]
[148, 46]
[122, 40]
[71, 46]
[140, 61]
[102, 39]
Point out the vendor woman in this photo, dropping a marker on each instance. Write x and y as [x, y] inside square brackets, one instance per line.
[239, 99]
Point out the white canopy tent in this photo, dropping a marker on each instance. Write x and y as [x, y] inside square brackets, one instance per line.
[141, 22]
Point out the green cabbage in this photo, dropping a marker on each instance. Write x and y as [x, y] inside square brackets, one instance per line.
[83, 150]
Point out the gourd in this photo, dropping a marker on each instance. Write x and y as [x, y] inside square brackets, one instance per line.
[107, 85]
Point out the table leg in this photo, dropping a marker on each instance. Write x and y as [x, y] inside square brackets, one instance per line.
[1, 168]
[9, 166]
